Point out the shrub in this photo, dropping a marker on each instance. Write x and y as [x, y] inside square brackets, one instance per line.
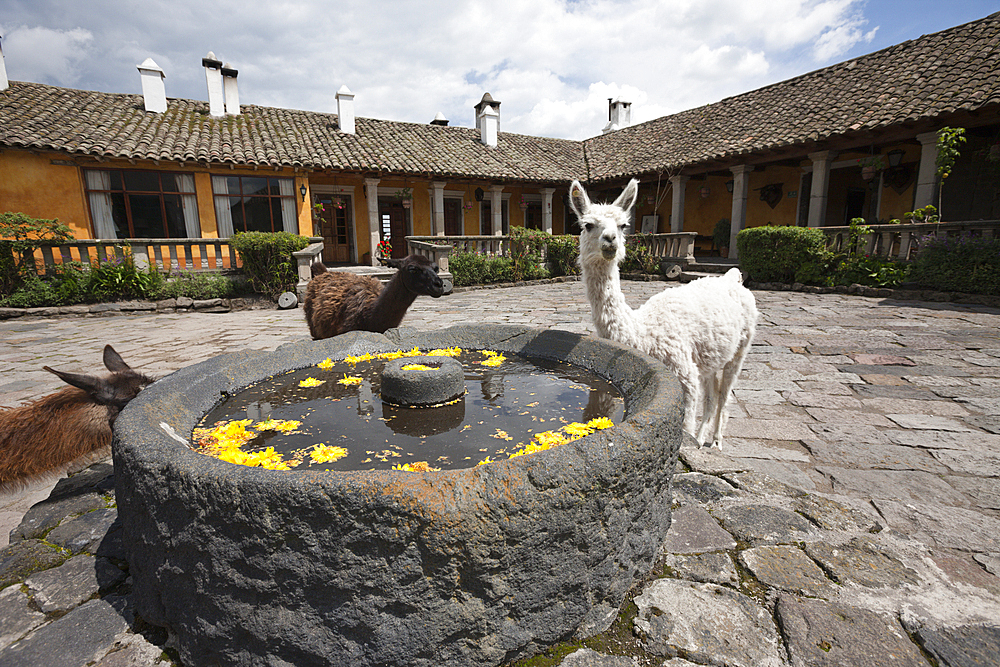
[638, 256]
[201, 286]
[776, 254]
[267, 259]
[470, 268]
[562, 254]
[526, 252]
[119, 278]
[958, 264]
[20, 236]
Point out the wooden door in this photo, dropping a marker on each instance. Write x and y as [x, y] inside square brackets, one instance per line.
[393, 217]
[453, 218]
[335, 230]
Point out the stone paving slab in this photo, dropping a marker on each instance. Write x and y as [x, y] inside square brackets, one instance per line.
[780, 465]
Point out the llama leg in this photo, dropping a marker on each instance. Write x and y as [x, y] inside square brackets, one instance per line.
[728, 378]
[692, 401]
[711, 408]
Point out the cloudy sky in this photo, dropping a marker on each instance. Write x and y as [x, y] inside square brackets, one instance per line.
[552, 63]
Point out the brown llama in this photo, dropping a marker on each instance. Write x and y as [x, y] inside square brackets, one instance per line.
[76, 421]
[337, 301]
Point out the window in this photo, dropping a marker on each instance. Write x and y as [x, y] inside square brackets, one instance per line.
[254, 204]
[127, 204]
[486, 217]
[533, 214]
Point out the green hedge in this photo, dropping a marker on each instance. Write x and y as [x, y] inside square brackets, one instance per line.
[777, 254]
[958, 265]
[267, 259]
[469, 268]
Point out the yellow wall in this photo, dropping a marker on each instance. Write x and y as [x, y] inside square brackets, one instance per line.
[31, 184]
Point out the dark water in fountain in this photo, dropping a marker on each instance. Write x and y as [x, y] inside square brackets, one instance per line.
[502, 410]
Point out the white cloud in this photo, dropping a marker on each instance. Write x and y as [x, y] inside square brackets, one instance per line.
[41, 54]
[547, 61]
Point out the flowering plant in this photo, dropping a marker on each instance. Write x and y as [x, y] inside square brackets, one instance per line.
[384, 248]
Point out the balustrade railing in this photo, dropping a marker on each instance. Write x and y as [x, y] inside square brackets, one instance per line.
[902, 241]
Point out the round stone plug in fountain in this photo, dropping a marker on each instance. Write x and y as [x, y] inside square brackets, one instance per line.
[470, 566]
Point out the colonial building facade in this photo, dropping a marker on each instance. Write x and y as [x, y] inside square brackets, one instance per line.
[857, 139]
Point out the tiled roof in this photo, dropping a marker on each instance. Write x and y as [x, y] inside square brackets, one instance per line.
[934, 75]
[117, 126]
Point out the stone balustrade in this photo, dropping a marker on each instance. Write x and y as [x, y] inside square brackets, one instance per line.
[902, 241]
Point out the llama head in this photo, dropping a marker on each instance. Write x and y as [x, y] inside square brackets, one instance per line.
[603, 226]
[116, 390]
[419, 275]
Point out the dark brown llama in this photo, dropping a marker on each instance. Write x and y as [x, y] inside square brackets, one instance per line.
[76, 421]
[337, 301]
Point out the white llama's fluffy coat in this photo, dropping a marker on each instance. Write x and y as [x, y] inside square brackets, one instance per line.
[701, 330]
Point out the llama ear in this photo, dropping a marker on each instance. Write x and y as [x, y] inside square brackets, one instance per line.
[113, 361]
[394, 263]
[90, 384]
[626, 200]
[578, 199]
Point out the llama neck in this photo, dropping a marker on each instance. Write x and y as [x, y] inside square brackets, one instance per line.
[391, 305]
[613, 317]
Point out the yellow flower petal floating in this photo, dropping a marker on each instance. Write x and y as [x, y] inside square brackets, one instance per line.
[326, 454]
[600, 423]
[311, 382]
[485, 461]
[326, 364]
[418, 367]
[418, 466]
[494, 358]
[364, 357]
[445, 352]
[350, 379]
[286, 427]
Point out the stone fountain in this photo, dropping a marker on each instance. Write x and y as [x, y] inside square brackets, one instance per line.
[475, 566]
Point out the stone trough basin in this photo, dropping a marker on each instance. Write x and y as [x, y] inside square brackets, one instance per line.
[474, 566]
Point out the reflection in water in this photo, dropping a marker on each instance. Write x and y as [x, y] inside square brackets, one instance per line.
[599, 404]
[502, 410]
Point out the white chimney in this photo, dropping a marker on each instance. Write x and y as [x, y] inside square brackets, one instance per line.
[154, 95]
[619, 115]
[489, 126]
[4, 84]
[232, 94]
[345, 109]
[487, 101]
[213, 75]
[439, 119]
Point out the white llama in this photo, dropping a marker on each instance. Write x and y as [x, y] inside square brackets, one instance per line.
[701, 330]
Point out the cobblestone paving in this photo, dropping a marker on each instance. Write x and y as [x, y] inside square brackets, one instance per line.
[852, 516]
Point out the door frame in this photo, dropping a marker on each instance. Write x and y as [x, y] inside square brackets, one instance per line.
[320, 189]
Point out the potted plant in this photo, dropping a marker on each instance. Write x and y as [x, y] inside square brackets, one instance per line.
[383, 251]
[720, 236]
[406, 194]
[870, 166]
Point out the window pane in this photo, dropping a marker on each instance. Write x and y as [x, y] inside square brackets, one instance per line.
[276, 221]
[233, 183]
[236, 210]
[118, 215]
[116, 180]
[175, 217]
[485, 218]
[258, 214]
[169, 182]
[253, 185]
[147, 216]
[143, 181]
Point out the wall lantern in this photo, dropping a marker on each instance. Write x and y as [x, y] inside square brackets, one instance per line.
[895, 156]
[650, 199]
[729, 186]
[479, 194]
[302, 191]
[705, 192]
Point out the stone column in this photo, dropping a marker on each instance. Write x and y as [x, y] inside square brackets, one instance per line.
[679, 185]
[438, 222]
[496, 209]
[738, 219]
[926, 189]
[374, 224]
[547, 208]
[820, 190]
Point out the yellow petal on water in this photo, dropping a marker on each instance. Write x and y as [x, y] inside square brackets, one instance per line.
[326, 364]
[326, 454]
[350, 379]
[417, 466]
[311, 382]
[600, 423]
[418, 367]
[485, 461]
